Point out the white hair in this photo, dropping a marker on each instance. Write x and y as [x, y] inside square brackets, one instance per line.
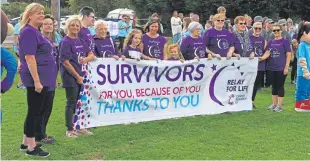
[257, 24]
[70, 20]
[100, 22]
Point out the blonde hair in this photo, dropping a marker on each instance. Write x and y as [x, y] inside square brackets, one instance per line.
[218, 16]
[239, 18]
[129, 37]
[70, 20]
[30, 10]
[172, 46]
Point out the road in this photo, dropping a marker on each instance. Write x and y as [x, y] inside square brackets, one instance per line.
[8, 42]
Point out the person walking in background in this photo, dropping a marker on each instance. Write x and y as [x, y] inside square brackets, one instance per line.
[176, 27]
[294, 61]
[122, 31]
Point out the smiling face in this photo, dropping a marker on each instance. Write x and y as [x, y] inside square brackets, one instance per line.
[241, 25]
[102, 30]
[196, 31]
[74, 27]
[154, 28]
[136, 40]
[276, 31]
[174, 52]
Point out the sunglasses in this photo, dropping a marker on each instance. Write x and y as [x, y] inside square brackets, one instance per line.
[242, 23]
[220, 20]
[276, 30]
[257, 28]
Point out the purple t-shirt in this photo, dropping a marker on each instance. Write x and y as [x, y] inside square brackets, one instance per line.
[55, 54]
[105, 48]
[32, 42]
[72, 50]
[218, 42]
[259, 49]
[278, 50]
[239, 47]
[85, 35]
[193, 47]
[154, 47]
[294, 36]
[132, 53]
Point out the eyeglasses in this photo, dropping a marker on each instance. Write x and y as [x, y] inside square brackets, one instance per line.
[257, 28]
[276, 30]
[242, 23]
[220, 20]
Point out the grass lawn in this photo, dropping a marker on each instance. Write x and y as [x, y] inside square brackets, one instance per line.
[258, 134]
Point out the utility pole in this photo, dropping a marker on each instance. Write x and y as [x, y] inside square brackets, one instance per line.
[55, 9]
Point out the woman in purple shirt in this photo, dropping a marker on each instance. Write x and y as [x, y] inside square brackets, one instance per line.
[154, 45]
[219, 41]
[37, 64]
[259, 45]
[105, 47]
[194, 46]
[74, 52]
[48, 33]
[278, 51]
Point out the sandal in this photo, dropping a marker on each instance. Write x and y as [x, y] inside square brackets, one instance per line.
[71, 134]
[85, 132]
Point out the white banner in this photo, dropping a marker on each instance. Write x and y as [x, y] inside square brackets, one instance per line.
[118, 92]
[112, 28]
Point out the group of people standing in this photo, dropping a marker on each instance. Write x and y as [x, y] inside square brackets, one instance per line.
[41, 58]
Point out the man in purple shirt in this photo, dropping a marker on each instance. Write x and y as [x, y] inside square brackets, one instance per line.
[88, 19]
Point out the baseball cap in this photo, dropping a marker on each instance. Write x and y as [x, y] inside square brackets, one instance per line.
[258, 19]
[282, 22]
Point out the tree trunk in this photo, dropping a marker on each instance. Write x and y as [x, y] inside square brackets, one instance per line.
[54, 9]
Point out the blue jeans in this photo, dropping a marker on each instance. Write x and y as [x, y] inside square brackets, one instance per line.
[176, 38]
[302, 89]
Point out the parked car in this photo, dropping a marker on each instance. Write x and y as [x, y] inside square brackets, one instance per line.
[14, 21]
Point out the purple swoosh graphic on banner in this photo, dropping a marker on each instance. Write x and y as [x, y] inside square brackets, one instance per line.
[212, 84]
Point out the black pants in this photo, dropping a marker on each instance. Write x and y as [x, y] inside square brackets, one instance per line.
[267, 81]
[277, 79]
[43, 119]
[36, 109]
[257, 84]
[72, 95]
[121, 43]
[294, 70]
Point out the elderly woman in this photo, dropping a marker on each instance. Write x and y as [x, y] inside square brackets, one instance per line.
[105, 47]
[242, 42]
[153, 45]
[219, 41]
[74, 52]
[37, 64]
[278, 51]
[193, 46]
[259, 45]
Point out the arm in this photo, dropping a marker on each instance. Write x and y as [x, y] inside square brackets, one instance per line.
[288, 60]
[32, 66]
[303, 63]
[165, 52]
[9, 63]
[72, 71]
[230, 52]
[265, 56]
